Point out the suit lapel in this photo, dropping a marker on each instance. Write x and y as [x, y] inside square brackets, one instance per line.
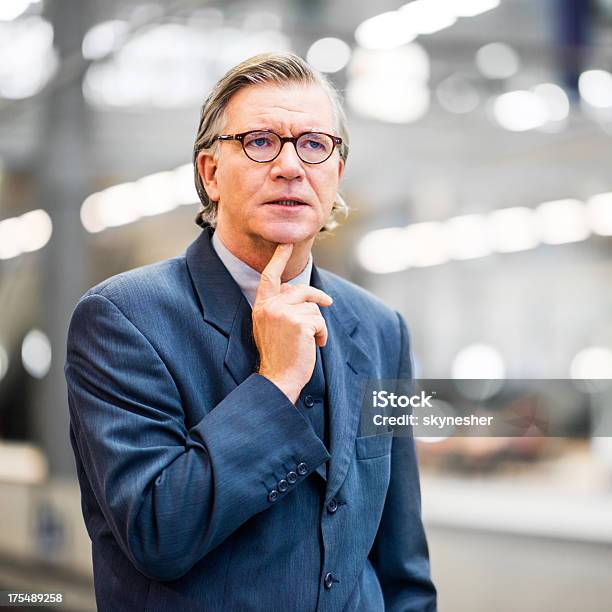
[223, 305]
[241, 354]
[345, 365]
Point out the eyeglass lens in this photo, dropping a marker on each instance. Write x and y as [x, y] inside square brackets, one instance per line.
[312, 147]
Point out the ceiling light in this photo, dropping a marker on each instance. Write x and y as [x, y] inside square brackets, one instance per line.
[385, 31]
[471, 8]
[329, 55]
[384, 251]
[427, 244]
[599, 214]
[513, 229]
[497, 61]
[562, 221]
[595, 87]
[479, 361]
[467, 237]
[519, 111]
[428, 16]
[36, 353]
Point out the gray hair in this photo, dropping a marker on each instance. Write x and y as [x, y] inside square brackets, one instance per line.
[279, 68]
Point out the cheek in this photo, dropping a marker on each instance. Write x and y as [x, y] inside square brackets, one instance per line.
[240, 181]
[326, 186]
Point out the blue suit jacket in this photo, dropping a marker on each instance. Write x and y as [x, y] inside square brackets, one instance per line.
[178, 444]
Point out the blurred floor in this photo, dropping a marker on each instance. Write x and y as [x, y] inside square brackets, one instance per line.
[479, 571]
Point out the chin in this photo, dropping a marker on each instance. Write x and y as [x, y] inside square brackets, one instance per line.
[288, 232]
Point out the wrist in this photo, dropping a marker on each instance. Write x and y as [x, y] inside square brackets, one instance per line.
[289, 389]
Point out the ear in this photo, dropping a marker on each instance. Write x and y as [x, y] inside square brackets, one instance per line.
[340, 168]
[207, 168]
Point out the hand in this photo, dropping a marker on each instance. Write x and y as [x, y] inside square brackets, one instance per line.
[287, 326]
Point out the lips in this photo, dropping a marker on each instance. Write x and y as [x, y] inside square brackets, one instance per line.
[288, 202]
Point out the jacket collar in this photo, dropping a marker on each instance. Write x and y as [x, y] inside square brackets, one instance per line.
[218, 292]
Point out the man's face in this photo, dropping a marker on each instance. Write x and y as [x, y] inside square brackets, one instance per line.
[246, 189]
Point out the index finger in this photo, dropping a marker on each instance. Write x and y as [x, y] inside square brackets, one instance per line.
[270, 282]
[297, 294]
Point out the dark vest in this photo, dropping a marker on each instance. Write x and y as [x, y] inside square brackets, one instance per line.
[311, 404]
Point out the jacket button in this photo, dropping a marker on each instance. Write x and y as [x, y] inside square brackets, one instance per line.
[292, 477]
[328, 581]
[332, 505]
[282, 485]
[302, 469]
[273, 495]
[308, 401]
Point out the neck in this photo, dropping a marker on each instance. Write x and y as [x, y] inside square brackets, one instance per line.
[256, 252]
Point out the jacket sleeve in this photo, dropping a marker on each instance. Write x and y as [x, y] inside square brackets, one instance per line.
[171, 494]
[400, 554]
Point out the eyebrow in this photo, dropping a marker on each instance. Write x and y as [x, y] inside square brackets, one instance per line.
[269, 129]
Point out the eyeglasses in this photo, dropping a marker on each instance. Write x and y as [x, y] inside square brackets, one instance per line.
[264, 145]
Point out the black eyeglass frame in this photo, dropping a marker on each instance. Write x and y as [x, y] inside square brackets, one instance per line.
[336, 140]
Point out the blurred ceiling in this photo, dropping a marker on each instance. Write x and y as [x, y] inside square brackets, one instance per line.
[129, 143]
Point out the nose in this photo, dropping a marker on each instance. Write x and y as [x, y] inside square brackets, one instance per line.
[287, 165]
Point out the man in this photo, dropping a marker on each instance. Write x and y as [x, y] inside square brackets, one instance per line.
[215, 397]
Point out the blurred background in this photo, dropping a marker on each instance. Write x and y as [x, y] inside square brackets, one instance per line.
[480, 184]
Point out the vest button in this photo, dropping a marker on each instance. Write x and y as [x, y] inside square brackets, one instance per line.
[309, 401]
[328, 581]
[332, 505]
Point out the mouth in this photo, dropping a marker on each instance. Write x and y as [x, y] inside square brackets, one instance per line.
[287, 202]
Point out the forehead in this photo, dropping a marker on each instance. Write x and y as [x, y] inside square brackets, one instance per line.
[291, 107]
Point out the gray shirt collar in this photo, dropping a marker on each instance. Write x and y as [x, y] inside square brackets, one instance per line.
[246, 277]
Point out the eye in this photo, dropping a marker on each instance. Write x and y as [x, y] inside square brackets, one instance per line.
[314, 142]
[259, 140]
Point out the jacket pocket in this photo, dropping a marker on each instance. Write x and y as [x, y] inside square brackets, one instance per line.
[369, 447]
